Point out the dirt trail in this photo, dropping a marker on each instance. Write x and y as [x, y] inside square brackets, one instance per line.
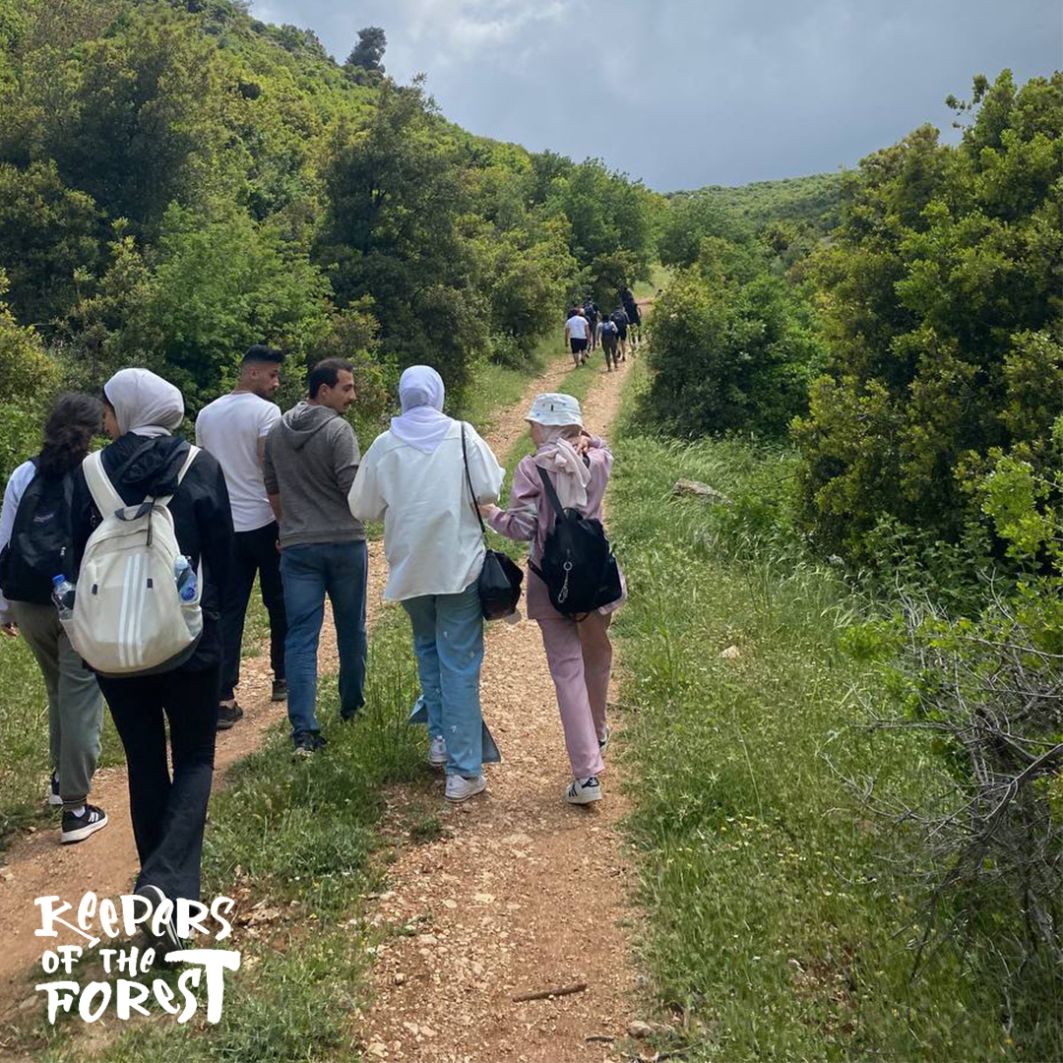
[37, 865]
[520, 893]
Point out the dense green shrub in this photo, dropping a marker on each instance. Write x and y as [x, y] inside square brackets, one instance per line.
[940, 299]
[733, 348]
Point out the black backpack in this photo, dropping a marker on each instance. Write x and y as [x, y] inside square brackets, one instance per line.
[39, 540]
[578, 566]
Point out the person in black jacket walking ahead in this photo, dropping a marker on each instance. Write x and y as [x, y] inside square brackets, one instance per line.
[141, 413]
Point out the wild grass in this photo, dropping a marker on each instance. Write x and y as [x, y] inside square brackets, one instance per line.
[777, 926]
[297, 840]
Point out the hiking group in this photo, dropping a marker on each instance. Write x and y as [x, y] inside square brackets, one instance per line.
[587, 328]
[128, 572]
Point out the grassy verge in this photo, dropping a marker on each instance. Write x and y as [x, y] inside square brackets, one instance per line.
[293, 843]
[776, 929]
[660, 277]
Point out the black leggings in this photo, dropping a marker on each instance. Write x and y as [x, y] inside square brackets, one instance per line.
[168, 814]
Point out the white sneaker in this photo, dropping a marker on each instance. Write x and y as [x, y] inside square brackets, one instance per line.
[437, 752]
[461, 789]
[603, 743]
[584, 791]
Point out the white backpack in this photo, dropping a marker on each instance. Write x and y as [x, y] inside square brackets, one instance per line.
[128, 617]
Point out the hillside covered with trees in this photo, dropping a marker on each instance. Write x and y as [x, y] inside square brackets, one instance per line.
[179, 180]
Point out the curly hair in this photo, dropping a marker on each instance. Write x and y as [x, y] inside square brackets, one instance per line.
[75, 418]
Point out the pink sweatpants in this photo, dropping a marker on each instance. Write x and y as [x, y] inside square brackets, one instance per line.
[580, 658]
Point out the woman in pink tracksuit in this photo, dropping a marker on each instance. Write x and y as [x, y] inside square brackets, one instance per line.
[580, 654]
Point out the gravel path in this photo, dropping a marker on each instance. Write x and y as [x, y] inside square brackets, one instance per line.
[520, 893]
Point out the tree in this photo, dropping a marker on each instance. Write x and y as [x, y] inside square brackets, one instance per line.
[392, 233]
[939, 284]
[367, 53]
[137, 120]
[47, 233]
[27, 377]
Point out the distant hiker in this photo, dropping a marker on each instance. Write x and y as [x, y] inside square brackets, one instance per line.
[147, 462]
[233, 429]
[593, 316]
[413, 478]
[579, 653]
[576, 336]
[34, 544]
[610, 337]
[621, 320]
[631, 308]
[311, 458]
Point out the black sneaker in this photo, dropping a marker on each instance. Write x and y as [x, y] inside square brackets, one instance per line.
[168, 938]
[307, 743]
[78, 828]
[347, 715]
[228, 715]
[280, 690]
[54, 800]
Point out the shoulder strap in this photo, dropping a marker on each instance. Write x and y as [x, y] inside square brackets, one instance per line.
[468, 480]
[551, 493]
[107, 499]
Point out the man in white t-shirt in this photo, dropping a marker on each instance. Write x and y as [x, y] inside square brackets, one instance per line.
[233, 429]
[577, 332]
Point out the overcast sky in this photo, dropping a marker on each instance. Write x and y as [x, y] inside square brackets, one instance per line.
[684, 93]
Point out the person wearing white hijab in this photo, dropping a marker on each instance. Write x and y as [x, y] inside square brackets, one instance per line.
[413, 478]
[178, 708]
[143, 403]
[580, 655]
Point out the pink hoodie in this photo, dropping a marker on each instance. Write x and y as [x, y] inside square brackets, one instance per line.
[530, 517]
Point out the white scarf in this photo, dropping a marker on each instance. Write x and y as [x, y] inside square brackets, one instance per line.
[144, 403]
[567, 471]
[422, 425]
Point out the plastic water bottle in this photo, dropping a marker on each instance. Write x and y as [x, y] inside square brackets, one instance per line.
[63, 596]
[185, 576]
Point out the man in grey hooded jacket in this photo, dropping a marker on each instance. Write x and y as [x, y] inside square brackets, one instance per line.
[311, 458]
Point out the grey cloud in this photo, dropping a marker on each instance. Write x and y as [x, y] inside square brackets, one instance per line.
[683, 93]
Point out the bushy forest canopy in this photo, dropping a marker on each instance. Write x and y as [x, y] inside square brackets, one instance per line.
[909, 346]
[179, 180]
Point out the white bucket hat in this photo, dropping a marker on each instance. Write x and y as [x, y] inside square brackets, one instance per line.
[555, 410]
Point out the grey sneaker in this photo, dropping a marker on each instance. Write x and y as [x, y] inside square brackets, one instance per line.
[461, 789]
[437, 752]
[584, 791]
[603, 742]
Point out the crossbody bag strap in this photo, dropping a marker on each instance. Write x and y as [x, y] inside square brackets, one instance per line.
[551, 492]
[468, 480]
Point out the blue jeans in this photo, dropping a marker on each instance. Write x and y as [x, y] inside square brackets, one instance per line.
[448, 638]
[309, 573]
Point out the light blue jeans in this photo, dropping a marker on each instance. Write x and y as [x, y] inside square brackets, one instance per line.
[448, 638]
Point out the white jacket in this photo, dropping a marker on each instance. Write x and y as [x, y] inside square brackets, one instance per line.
[432, 536]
